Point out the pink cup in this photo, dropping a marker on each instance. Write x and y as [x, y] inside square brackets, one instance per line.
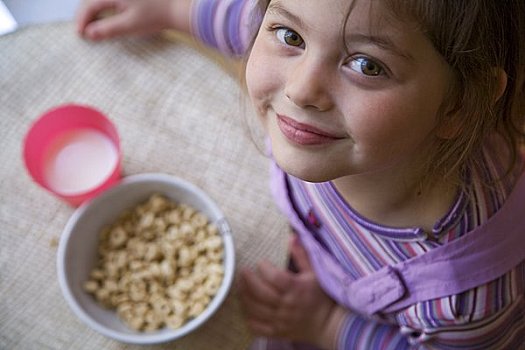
[73, 151]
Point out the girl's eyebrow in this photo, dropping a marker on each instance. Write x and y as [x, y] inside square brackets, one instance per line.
[383, 42]
[276, 8]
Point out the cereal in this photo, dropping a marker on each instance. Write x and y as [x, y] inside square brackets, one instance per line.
[91, 286]
[160, 264]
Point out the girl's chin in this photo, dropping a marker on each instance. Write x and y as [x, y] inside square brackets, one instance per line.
[306, 163]
[304, 171]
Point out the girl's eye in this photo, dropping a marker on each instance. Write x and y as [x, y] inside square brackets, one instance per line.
[289, 37]
[366, 66]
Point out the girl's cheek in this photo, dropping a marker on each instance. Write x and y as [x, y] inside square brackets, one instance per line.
[259, 81]
[250, 75]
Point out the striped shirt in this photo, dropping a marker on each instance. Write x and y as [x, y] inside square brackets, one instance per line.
[490, 316]
[362, 247]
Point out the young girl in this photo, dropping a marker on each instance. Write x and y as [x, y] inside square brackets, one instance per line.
[396, 128]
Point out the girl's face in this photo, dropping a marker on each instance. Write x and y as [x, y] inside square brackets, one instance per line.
[369, 108]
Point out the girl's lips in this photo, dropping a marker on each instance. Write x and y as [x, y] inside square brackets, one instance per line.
[303, 134]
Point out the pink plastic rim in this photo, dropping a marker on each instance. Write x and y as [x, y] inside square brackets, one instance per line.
[57, 121]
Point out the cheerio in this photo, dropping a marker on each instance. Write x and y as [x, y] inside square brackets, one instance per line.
[160, 265]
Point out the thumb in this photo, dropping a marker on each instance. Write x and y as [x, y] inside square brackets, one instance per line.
[299, 255]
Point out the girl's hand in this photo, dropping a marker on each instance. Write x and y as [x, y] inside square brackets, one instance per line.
[104, 19]
[282, 304]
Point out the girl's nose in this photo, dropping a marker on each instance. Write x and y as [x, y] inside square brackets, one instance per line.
[308, 85]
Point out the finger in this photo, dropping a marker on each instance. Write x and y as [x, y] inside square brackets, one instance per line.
[120, 24]
[264, 329]
[253, 286]
[277, 278]
[251, 304]
[89, 11]
[269, 329]
[255, 310]
[105, 28]
[299, 255]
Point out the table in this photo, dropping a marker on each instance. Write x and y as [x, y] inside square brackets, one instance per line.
[178, 112]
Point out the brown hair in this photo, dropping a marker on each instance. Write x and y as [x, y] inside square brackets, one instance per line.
[477, 38]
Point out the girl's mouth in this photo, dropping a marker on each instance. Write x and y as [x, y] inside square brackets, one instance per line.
[304, 134]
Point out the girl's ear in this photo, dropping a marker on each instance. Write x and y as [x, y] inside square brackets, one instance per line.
[501, 83]
[451, 124]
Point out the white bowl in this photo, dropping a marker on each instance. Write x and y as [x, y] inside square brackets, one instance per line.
[77, 252]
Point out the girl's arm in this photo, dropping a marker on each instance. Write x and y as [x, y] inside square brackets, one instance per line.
[226, 25]
[292, 306]
[489, 317]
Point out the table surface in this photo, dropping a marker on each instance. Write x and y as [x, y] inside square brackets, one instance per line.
[177, 112]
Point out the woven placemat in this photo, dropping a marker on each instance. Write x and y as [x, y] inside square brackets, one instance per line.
[177, 112]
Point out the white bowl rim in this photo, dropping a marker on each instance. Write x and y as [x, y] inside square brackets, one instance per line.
[148, 337]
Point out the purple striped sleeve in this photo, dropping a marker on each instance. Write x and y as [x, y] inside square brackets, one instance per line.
[226, 25]
[359, 333]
